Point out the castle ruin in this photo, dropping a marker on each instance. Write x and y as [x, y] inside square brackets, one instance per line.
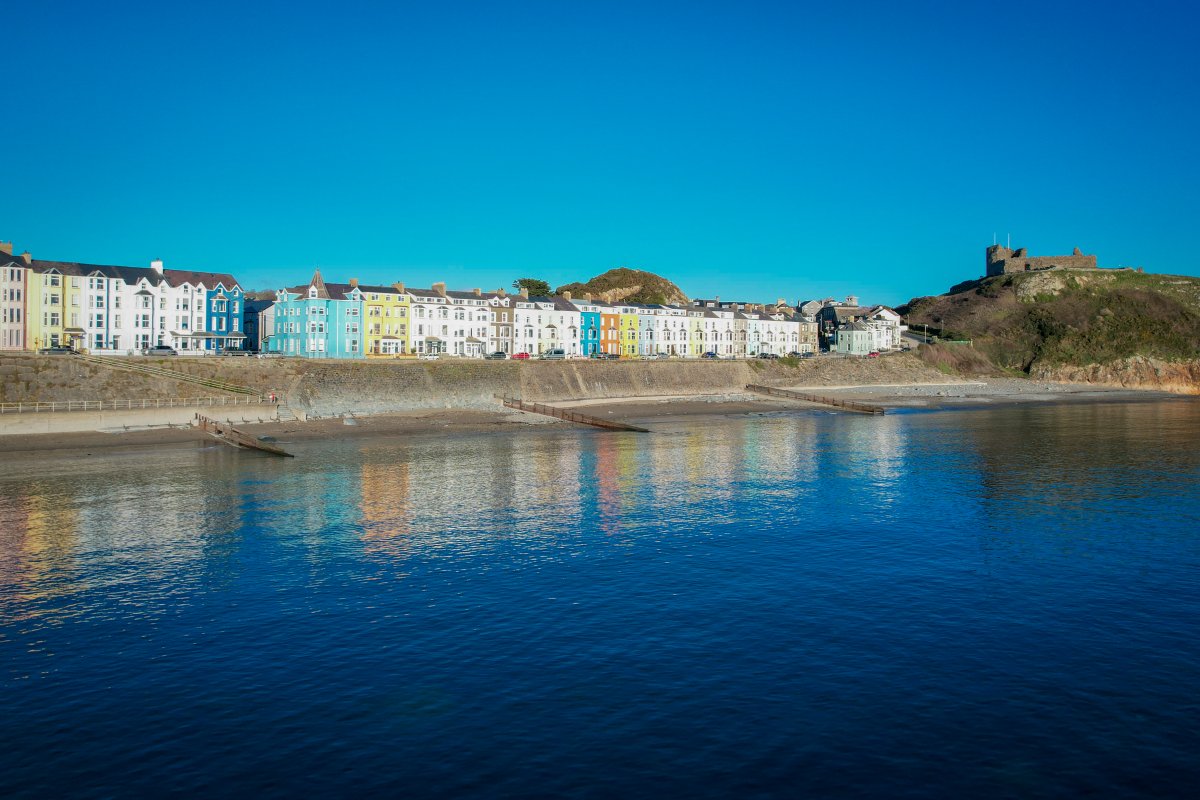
[1003, 261]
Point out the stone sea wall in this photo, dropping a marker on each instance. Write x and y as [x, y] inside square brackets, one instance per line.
[332, 388]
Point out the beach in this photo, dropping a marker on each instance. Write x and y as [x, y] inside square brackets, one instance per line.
[910, 396]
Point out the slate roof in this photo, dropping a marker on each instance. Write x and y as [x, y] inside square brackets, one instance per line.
[131, 275]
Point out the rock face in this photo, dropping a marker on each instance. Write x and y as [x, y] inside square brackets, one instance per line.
[1138, 372]
[629, 285]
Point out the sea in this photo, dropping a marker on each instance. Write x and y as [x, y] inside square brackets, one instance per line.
[990, 602]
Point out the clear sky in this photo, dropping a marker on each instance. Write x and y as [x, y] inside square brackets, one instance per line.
[748, 150]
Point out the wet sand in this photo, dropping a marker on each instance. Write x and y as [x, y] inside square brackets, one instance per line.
[990, 392]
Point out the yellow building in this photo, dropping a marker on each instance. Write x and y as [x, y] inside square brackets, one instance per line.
[386, 312]
[54, 309]
[629, 332]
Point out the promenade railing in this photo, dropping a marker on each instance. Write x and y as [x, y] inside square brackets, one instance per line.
[126, 405]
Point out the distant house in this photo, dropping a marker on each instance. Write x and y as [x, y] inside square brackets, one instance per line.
[853, 339]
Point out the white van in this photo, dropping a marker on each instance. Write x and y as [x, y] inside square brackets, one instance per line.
[554, 354]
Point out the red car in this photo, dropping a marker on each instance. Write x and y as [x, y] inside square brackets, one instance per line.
[521, 356]
[873, 354]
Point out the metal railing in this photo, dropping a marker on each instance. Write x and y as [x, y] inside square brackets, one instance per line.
[126, 405]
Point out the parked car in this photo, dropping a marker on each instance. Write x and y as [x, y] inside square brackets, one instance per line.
[767, 355]
[499, 355]
[606, 356]
[428, 356]
[556, 354]
[160, 350]
[873, 354]
[660, 355]
[521, 356]
[56, 350]
[710, 354]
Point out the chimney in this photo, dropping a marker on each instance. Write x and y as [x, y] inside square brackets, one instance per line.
[6, 248]
[354, 283]
[399, 287]
[501, 292]
[27, 257]
[478, 292]
[157, 265]
[524, 293]
[440, 288]
[588, 297]
[566, 296]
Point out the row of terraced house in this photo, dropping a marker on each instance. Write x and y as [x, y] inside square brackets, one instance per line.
[119, 310]
[354, 320]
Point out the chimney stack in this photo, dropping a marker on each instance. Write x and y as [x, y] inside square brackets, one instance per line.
[27, 257]
[440, 288]
[399, 287]
[478, 292]
[525, 292]
[157, 265]
[566, 296]
[501, 292]
[354, 283]
[6, 248]
[588, 297]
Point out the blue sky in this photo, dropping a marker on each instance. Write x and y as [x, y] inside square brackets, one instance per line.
[750, 150]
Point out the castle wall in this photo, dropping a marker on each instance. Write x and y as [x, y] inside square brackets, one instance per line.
[1002, 261]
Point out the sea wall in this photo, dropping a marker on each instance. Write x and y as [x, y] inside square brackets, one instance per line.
[334, 388]
[82, 421]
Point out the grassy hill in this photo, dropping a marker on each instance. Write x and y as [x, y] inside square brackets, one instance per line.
[1042, 321]
[631, 285]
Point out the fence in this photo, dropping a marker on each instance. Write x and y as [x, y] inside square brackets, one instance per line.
[126, 405]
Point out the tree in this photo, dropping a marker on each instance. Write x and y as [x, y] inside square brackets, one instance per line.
[536, 287]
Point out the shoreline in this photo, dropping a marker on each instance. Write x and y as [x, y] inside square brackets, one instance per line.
[954, 395]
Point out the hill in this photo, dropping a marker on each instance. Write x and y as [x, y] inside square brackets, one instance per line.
[630, 285]
[1104, 326]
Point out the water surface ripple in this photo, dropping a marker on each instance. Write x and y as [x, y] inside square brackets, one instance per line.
[989, 603]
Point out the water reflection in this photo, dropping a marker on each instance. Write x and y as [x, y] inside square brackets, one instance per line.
[1028, 475]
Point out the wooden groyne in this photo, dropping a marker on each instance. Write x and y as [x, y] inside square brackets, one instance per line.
[235, 438]
[569, 416]
[845, 405]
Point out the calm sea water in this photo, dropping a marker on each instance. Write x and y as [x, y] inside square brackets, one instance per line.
[998, 602]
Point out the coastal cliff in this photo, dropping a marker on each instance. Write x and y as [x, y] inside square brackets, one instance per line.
[1104, 327]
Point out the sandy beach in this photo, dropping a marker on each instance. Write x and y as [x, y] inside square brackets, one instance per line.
[961, 394]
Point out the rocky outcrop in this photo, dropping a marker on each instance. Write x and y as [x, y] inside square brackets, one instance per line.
[1137, 372]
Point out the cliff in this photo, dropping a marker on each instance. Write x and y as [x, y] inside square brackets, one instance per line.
[629, 285]
[1109, 327]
